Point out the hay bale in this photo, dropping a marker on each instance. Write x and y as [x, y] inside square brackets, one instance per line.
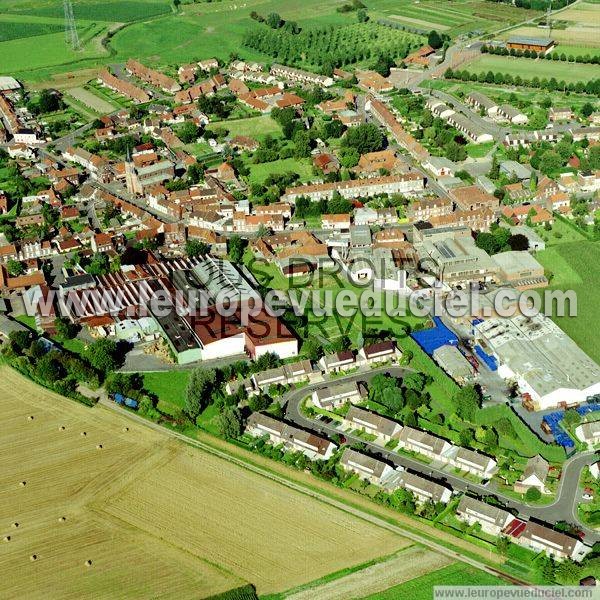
[15, 525]
[62, 519]
[83, 433]
[7, 538]
[23, 483]
[125, 429]
[30, 418]
[88, 563]
[33, 557]
[62, 428]
[99, 447]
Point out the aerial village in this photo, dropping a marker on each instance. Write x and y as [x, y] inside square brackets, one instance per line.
[162, 196]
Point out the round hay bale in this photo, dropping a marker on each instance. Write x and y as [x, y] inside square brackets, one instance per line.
[30, 418]
[33, 557]
[62, 428]
[88, 563]
[99, 447]
[125, 429]
[23, 483]
[15, 524]
[7, 538]
[62, 519]
[83, 433]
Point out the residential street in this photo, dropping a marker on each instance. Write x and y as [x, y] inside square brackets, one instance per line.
[564, 508]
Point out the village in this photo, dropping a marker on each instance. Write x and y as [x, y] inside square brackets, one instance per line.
[163, 196]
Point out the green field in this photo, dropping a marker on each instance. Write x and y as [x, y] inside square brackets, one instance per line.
[421, 588]
[302, 166]
[254, 127]
[151, 31]
[576, 266]
[527, 68]
[169, 387]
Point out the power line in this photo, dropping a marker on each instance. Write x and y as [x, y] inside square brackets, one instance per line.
[71, 36]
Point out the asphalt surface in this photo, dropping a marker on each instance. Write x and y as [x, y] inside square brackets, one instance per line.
[564, 508]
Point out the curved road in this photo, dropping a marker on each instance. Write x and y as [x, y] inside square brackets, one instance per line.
[564, 507]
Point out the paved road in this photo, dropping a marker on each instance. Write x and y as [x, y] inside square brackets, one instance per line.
[564, 508]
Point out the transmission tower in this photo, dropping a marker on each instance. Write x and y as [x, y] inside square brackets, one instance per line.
[71, 37]
[548, 19]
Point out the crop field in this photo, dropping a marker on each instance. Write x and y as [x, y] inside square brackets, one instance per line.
[452, 17]
[409, 564]
[527, 68]
[191, 524]
[578, 27]
[258, 530]
[421, 588]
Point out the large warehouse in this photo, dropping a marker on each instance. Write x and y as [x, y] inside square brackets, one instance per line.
[547, 364]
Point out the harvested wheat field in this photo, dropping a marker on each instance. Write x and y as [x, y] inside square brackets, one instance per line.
[94, 506]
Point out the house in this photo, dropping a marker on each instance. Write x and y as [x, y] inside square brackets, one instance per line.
[300, 75]
[556, 544]
[473, 462]
[533, 213]
[336, 395]
[511, 114]
[512, 168]
[379, 353]
[327, 163]
[589, 433]
[292, 438]
[373, 82]
[482, 102]
[385, 429]
[472, 197]
[340, 361]
[516, 192]
[560, 113]
[101, 243]
[151, 76]
[423, 489]
[264, 379]
[339, 222]
[367, 467]
[493, 519]
[440, 166]
[424, 443]
[534, 475]
[469, 128]
[425, 209]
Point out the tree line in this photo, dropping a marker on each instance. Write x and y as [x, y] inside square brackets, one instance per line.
[563, 57]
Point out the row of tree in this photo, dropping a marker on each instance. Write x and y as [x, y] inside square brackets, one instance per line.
[591, 86]
[503, 51]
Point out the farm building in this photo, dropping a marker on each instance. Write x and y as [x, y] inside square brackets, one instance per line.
[531, 44]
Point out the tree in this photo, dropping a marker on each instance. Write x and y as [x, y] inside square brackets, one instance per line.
[502, 545]
[362, 16]
[466, 437]
[568, 572]
[467, 402]
[518, 242]
[364, 138]
[48, 367]
[434, 40]
[188, 132]
[533, 494]
[20, 340]
[312, 348]
[65, 328]
[198, 392]
[551, 161]
[587, 109]
[104, 355]
[386, 391]
[571, 418]
[15, 268]
[274, 20]
[236, 248]
[230, 422]
[194, 248]
[414, 381]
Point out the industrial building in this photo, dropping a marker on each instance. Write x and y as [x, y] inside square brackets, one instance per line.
[549, 367]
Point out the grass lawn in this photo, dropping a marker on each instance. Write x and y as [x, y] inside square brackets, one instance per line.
[478, 150]
[254, 127]
[421, 588]
[169, 386]
[576, 266]
[527, 68]
[302, 166]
